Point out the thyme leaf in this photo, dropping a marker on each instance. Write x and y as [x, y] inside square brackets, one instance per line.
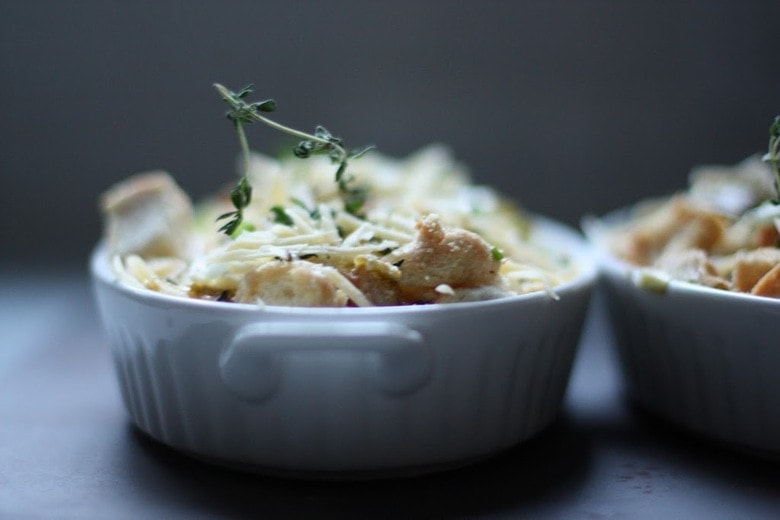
[240, 196]
[281, 216]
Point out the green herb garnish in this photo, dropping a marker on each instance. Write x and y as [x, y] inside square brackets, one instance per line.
[322, 142]
[240, 196]
[281, 216]
[325, 143]
[241, 113]
[773, 155]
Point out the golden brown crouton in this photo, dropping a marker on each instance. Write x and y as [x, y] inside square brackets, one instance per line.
[377, 284]
[751, 266]
[148, 215]
[702, 231]
[674, 225]
[767, 236]
[769, 284]
[452, 257]
[296, 283]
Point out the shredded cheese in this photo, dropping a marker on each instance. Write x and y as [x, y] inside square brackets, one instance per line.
[369, 255]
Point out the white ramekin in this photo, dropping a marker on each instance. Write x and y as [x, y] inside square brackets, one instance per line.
[706, 359]
[356, 391]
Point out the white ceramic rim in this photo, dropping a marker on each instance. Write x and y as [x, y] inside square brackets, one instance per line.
[566, 240]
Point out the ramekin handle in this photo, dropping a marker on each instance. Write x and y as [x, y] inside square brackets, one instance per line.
[252, 363]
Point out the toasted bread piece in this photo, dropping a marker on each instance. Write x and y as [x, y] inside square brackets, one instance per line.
[751, 266]
[769, 284]
[148, 215]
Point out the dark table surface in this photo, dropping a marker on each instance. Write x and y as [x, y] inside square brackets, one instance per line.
[67, 449]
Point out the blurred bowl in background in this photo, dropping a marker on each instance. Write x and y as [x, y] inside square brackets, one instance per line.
[706, 359]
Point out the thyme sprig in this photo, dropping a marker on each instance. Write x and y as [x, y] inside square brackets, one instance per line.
[241, 113]
[321, 142]
[773, 155]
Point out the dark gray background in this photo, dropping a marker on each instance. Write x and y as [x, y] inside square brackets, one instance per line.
[570, 107]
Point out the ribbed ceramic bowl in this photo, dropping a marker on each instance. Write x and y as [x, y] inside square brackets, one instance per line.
[357, 392]
[706, 359]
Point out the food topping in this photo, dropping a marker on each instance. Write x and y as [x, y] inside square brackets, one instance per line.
[330, 231]
[723, 232]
